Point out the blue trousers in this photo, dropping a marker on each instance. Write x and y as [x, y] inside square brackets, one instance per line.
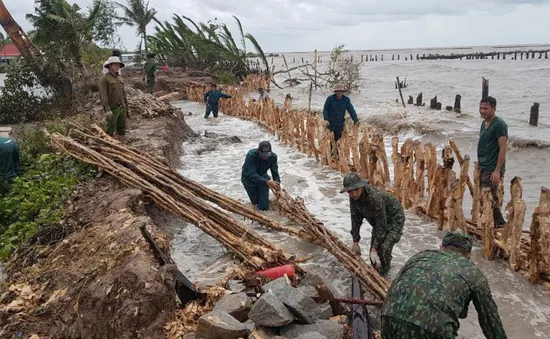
[213, 109]
[259, 195]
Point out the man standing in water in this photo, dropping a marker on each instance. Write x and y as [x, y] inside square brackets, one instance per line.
[9, 158]
[212, 99]
[335, 110]
[491, 152]
[149, 70]
[263, 94]
[434, 289]
[382, 211]
[113, 98]
[254, 175]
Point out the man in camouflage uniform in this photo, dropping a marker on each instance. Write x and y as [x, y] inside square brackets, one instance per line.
[382, 211]
[434, 289]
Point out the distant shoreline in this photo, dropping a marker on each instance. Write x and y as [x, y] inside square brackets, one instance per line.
[423, 48]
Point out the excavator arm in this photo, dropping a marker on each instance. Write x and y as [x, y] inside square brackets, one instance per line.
[27, 49]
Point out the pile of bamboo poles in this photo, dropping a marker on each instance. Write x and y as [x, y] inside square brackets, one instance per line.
[147, 106]
[164, 186]
[295, 210]
[422, 181]
[178, 194]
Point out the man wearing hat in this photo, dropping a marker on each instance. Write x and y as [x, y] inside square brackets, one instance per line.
[113, 98]
[254, 175]
[114, 52]
[263, 94]
[334, 111]
[382, 211]
[434, 289]
[212, 100]
[149, 70]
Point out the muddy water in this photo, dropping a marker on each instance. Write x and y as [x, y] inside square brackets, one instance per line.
[524, 308]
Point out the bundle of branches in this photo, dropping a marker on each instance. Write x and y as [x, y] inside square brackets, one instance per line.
[294, 209]
[147, 106]
[134, 169]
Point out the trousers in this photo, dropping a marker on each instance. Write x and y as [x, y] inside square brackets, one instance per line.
[259, 195]
[209, 109]
[393, 328]
[117, 122]
[485, 181]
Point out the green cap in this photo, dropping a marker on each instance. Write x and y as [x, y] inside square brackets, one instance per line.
[352, 181]
[458, 239]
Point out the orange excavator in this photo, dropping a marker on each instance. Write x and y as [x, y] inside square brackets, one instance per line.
[19, 38]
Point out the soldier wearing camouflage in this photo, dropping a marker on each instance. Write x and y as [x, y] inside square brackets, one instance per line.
[382, 211]
[434, 289]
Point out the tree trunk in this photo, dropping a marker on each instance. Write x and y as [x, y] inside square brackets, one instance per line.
[144, 35]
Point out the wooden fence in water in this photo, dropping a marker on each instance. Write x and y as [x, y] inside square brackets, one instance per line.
[424, 183]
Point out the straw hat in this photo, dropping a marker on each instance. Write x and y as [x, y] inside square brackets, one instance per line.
[339, 87]
[113, 60]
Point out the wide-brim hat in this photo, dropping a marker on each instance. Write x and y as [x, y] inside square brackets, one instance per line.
[113, 60]
[353, 181]
[339, 87]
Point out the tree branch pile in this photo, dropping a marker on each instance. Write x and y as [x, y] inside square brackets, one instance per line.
[140, 171]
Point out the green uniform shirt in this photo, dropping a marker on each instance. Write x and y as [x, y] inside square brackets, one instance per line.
[434, 289]
[150, 68]
[255, 168]
[9, 158]
[111, 92]
[380, 209]
[487, 146]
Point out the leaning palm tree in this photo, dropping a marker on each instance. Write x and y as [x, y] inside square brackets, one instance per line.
[138, 14]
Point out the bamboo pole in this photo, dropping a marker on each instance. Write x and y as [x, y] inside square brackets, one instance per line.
[487, 223]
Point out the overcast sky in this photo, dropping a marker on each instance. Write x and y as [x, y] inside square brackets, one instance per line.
[305, 25]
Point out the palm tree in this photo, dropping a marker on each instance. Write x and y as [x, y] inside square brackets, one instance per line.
[138, 14]
[64, 28]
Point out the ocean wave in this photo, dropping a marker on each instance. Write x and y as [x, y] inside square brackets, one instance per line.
[515, 142]
[396, 123]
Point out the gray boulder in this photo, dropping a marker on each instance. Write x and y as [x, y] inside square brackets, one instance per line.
[301, 305]
[329, 329]
[263, 333]
[277, 285]
[270, 311]
[220, 325]
[325, 311]
[311, 335]
[309, 290]
[237, 305]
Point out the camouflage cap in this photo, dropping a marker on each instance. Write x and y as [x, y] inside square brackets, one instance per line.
[458, 239]
[352, 181]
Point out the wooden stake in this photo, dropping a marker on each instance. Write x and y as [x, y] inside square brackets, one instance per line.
[487, 223]
[400, 93]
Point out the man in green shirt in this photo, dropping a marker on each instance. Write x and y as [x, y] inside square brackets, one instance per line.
[9, 159]
[149, 70]
[434, 289]
[491, 153]
[113, 98]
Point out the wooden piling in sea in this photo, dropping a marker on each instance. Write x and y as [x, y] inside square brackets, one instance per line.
[534, 116]
[484, 87]
[456, 106]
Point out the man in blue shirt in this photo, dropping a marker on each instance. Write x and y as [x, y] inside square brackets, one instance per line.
[254, 175]
[212, 99]
[335, 110]
[9, 159]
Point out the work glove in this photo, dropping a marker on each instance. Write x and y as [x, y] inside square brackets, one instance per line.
[374, 258]
[356, 249]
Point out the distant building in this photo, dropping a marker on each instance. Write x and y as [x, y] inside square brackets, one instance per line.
[130, 59]
[9, 53]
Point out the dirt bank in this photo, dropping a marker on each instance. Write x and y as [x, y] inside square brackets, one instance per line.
[169, 81]
[102, 281]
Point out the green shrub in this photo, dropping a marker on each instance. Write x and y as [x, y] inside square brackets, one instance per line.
[227, 78]
[36, 199]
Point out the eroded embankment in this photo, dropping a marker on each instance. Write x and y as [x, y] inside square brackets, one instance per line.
[101, 281]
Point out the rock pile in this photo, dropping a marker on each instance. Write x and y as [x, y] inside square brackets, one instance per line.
[282, 311]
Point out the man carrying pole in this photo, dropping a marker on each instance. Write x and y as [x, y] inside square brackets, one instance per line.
[385, 214]
[212, 99]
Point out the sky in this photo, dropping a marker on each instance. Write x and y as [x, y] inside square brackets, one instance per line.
[305, 25]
